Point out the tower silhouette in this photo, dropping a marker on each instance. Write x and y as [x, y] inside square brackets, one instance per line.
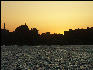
[4, 25]
[25, 23]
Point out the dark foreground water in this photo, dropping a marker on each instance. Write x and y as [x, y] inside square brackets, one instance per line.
[69, 57]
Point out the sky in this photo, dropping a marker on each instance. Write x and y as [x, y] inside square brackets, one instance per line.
[47, 16]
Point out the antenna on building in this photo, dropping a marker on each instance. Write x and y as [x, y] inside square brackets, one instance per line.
[4, 25]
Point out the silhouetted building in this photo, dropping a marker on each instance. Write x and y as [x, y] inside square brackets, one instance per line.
[79, 36]
[51, 39]
[4, 35]
[23, 36]
[47, 33]
[4, 30]
[22, 28]
[34, 30]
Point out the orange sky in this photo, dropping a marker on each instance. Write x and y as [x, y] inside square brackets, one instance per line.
[47, 16]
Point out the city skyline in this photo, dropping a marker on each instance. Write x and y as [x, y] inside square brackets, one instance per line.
[48, 16]
[4, 28]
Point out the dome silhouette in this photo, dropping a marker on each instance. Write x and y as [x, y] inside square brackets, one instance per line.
[22, 28]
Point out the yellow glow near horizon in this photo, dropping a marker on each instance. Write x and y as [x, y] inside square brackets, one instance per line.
[47, 16]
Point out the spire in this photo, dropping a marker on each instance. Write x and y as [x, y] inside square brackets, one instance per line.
[4, 25]
[25, 23]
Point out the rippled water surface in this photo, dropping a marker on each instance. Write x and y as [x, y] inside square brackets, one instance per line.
[55, 57]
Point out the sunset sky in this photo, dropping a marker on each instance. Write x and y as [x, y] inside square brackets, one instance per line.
[47, 16]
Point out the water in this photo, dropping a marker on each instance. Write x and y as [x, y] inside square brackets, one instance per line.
[55, 57]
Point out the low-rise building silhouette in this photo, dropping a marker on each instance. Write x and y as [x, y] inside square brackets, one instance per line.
[81, 36]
